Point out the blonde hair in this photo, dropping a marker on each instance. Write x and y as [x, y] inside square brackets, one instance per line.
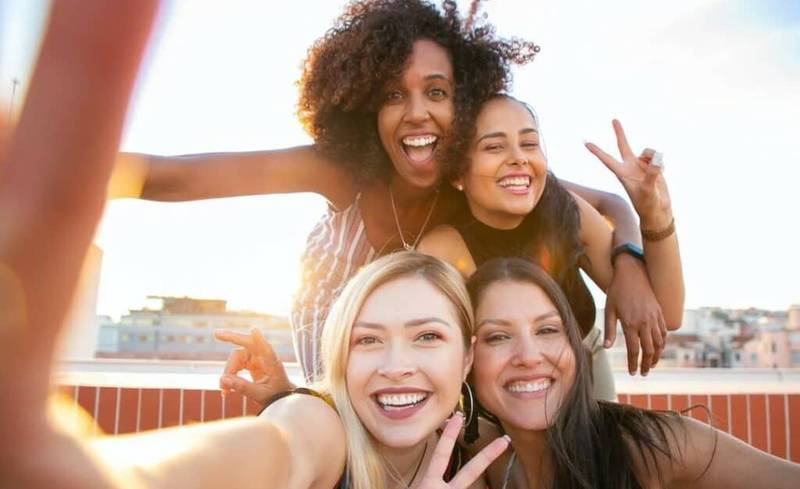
[366, 469]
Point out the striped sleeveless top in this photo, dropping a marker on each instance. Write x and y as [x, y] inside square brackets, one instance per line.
[335, 250]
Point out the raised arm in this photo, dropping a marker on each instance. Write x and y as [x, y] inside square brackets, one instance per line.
[644, 333]
[630, 298]
[612, 207]
[643, 179]
[214, 175]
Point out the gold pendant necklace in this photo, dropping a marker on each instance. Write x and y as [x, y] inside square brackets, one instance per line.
[406, 245]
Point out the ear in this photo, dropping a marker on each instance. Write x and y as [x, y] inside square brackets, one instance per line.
[469, 357]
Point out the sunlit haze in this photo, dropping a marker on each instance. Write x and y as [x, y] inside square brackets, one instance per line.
[712, 84]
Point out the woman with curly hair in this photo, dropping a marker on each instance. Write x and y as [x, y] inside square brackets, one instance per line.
[517, 207]
[380, 93]
[533, 381]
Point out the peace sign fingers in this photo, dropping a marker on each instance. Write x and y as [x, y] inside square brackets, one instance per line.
[471, 472]
[479, 463]
[441, 454]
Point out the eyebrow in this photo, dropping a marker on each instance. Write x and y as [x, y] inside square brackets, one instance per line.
[408, 324]
[499, 134]
[437, 76]
[504, 322]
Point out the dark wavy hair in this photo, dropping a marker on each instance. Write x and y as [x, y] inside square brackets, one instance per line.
[590, 442]
[367, 47]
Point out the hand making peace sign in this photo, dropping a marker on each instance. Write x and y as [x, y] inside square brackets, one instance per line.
[471, 472]
[643, 179]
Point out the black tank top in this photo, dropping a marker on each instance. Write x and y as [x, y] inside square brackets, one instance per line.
[485, 242]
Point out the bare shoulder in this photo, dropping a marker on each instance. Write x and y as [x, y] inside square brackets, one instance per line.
[701, 456]
[319, 445]
[445, 242]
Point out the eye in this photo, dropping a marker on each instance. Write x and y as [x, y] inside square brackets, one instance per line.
[496, 337]
[393, 96]
[366, 340]
[494, 147]
[530, 145]
[429, 337]
[437, 93]
[548, 329]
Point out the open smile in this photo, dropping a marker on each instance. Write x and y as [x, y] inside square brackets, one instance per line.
[420, 148]
[529, 388]
[400, 405]
[516, 184]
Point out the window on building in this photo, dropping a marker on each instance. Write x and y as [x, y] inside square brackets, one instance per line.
[201, 339]
[774, 347]
[125, 337]
[144, 338]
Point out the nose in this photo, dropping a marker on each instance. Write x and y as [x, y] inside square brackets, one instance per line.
[518, 157]
[527, 353]
[416, 110]
[396, 364]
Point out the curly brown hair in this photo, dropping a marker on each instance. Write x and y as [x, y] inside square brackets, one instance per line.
[368, 46]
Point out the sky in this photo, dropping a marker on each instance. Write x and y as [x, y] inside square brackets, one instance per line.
[712, 84]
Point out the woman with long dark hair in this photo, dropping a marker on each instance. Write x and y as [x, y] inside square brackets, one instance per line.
[517, 207]
[531, 375]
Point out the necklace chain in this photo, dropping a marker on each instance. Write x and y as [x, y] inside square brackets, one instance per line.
[412, 246]
[416, 471]
[509, 467]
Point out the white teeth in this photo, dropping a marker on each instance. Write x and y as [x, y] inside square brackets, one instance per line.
[530, 386]
[523, 181]
[418, 141]
[395, 400]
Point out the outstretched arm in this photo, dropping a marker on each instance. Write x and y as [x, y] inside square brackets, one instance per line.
[53, 175]
[214, 175]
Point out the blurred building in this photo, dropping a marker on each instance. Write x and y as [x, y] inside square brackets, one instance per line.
[713, 337]
[80, 335]
[182, 328]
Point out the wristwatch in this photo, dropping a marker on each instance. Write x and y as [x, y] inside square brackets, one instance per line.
[628, 249]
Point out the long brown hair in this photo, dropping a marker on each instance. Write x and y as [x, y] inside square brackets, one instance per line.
[590, 442]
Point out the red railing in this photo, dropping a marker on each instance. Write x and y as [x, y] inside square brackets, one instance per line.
[760, 407]
[770, 422]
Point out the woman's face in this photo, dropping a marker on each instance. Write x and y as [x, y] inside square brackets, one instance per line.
[508, 170]
[524, 365]
[417, 112]
[407, 362]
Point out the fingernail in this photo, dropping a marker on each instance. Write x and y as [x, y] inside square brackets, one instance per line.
[644, 374]
[459, 413]
[632, 372]
[506, 438]
[607, 343]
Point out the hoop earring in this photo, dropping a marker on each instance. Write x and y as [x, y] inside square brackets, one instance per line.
[467, 403]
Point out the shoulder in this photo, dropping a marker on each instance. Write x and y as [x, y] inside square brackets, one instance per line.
[447, 244]
[318, 446]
